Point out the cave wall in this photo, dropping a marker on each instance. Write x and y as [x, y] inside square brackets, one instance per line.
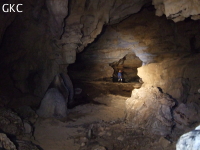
[41, 42]
[178, 10]
[28, 51]
[141, 37]
[168, 101]
[179, 77]
[46, 37]
[102, 59]
[169, 95]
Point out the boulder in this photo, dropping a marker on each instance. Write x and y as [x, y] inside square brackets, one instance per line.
[53, 105]
[10, 122]
[26, 145]
[190, 140]
[5, 143]
[150, 109]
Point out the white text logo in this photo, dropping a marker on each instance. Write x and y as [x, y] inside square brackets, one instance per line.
[11, 8]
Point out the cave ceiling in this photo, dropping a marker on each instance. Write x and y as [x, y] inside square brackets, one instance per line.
[74, 24]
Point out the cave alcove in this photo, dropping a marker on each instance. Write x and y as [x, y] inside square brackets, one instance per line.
[99, 61]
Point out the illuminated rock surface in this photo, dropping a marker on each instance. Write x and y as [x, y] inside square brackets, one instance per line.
[92, 40]
[178, 10]
[150, 109]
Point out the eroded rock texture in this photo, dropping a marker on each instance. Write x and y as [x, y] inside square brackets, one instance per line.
[177, 78]
[139, 40]
[5, 143]
[10, 122]
[174, 77]
[170, 63]
[150, 110]
[189, 140]
[40, 42]
[178, 10]
[26, 145]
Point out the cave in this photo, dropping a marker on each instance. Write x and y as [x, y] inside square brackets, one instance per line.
[59, 87]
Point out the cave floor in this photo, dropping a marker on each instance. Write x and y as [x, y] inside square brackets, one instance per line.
[96, 88]
[84, 125]
[98, 125]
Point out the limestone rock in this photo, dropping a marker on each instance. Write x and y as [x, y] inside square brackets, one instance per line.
[177, 10]
[5, 143]
[128, 64]
[47, 30]
[10, 123]
[175, 77]
[58, 10]
[120, 138]
[123, 46]
[26, 112]
[98, 147]
[26, 145]
[164, 142]
[183, 113]
[27, 128]
[189, 140]
[150, 109]
[53, 105]
[83, 140]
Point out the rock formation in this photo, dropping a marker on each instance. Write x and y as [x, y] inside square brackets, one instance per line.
[58, 96]
[43, 28]
[189, 140]
[174, 77]
[150, 110]
[5, 143]
[178, 10]
[10, 123]
[46, 31]
[42, 41]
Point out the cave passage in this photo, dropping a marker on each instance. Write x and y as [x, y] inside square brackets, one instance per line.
[97, 77]
[97, 66]
[128, 65]
[91, 41]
